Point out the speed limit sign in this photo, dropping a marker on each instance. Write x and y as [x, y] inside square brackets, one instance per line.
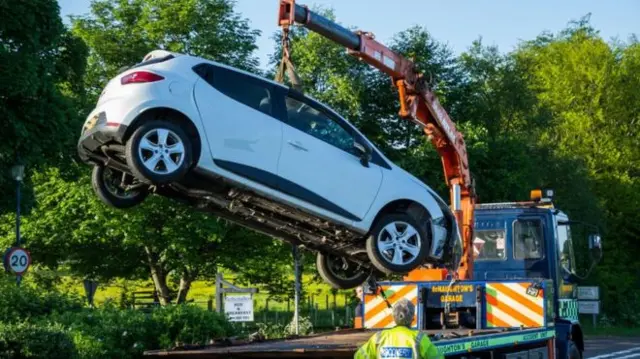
[17, 260]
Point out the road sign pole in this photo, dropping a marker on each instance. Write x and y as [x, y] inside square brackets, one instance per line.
[18, 277]
[18, 214]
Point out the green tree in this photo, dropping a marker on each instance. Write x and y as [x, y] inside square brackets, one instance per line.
[120, 32]
[587, 85]
[40, 86]
[71, 229]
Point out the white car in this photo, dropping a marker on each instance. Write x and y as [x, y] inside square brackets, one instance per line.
[267, 157]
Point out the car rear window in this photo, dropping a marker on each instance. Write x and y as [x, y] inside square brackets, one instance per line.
[247, 90]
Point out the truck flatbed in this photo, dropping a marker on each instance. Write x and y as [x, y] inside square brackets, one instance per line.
[344, 344]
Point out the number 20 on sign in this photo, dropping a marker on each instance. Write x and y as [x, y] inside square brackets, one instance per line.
[17, 260]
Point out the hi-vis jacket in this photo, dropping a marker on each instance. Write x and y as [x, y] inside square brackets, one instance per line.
[398, 343]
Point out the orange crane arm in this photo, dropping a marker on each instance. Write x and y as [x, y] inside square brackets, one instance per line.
[417, 104]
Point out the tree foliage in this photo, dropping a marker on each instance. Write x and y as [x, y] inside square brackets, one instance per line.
[42, 69]
[120, 32]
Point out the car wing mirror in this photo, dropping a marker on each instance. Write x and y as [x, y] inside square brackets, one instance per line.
[364, 150]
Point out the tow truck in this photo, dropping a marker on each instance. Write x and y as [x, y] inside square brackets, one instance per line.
[514, 291]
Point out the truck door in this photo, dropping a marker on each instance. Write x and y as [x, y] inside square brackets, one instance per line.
[512, 248]
[529, 246]
[565, 264]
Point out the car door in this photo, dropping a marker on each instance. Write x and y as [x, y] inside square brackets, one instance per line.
[319, 163]
[243, 133]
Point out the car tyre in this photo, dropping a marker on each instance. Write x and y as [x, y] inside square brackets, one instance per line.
[105, 183]
[398, 243]
[339, 272]
[159, 152]
[573, 352]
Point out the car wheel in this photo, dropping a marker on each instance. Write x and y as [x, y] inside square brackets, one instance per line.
[398, 243]
[574, 352]
[107, 183]
[340, 272]
[159, 152]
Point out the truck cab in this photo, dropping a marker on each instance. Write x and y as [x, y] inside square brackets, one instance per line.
[533, 241]
[524, 277]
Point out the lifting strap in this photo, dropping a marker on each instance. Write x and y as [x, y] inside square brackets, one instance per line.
[286, 64]
[377, 288]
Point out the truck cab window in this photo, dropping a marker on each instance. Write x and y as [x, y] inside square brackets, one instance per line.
[528, 239]
[565, 248]
[490, 244]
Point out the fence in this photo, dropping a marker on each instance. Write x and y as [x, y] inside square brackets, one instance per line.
[324, 311]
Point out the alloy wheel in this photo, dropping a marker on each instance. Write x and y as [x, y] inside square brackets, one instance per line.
[161, 151]
[399, 243]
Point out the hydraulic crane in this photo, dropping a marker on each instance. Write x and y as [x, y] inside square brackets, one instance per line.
[418, 103]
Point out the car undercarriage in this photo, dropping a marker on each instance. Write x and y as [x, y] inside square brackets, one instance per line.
[252, 210]
[247, 208]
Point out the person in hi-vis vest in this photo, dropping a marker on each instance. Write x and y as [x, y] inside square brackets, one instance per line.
[401, 341]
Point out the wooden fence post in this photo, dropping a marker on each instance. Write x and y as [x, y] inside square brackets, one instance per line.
[315, 315]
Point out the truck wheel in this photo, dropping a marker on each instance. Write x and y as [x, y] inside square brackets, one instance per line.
[159, 152]
[574, 352]
[398, 243]
[340, 272]
[106, 183]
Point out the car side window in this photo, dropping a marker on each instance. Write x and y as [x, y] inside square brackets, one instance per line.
[315, 123]
[245, 89]
[528, 239]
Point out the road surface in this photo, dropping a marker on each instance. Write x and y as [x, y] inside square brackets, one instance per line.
[612, 348]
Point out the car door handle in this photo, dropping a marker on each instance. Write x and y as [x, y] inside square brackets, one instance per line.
[298, 145]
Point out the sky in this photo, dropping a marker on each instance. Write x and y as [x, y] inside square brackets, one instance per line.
[455, 22]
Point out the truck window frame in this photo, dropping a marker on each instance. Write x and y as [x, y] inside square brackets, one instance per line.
[513, 238]
[506, 251]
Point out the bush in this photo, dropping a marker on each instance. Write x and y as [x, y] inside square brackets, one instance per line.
[189, 324]
[110, 332]
[271, 331]
[274, 331]
[305, 327]
[57, 325]
[26, 303]
[126, 333]
[26, 340]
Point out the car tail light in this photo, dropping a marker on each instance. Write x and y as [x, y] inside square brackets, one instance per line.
[140, 77]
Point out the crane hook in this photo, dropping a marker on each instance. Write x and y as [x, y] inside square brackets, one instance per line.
[286, 64]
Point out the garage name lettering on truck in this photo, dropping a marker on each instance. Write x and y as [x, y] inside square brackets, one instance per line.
[460, 294]
[480, 344]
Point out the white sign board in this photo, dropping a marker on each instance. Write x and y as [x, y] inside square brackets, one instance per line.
[588, 293]
[589, 307]
[239, 307]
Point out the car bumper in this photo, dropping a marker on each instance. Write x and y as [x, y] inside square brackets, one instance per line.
[97, 133]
